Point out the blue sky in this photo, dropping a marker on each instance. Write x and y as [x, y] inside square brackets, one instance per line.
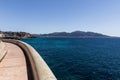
[46, 16]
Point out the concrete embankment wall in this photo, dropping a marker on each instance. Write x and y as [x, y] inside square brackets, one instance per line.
[3, 50]
[40, 69]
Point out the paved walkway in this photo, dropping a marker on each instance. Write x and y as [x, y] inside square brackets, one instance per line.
[13, 66]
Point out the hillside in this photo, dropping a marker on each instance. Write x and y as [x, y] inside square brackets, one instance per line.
[78, 34]
[16, 35]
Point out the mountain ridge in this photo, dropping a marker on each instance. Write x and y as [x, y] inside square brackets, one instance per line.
[72, 34]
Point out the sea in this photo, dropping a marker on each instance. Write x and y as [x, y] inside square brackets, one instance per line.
[80, 58]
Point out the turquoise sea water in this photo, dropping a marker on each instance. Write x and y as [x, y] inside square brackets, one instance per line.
[80, 58]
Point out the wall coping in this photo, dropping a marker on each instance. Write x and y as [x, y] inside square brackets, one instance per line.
[40, 69]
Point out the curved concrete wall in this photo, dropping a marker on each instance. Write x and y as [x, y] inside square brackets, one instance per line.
[3, 50]
[40, 69]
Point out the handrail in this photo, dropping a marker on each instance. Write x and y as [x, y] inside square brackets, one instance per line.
[40, 69]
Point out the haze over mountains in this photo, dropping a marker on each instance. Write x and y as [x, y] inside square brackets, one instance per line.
[76, 34]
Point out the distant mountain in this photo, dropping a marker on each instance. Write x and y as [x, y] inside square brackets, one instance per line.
[79, 34]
